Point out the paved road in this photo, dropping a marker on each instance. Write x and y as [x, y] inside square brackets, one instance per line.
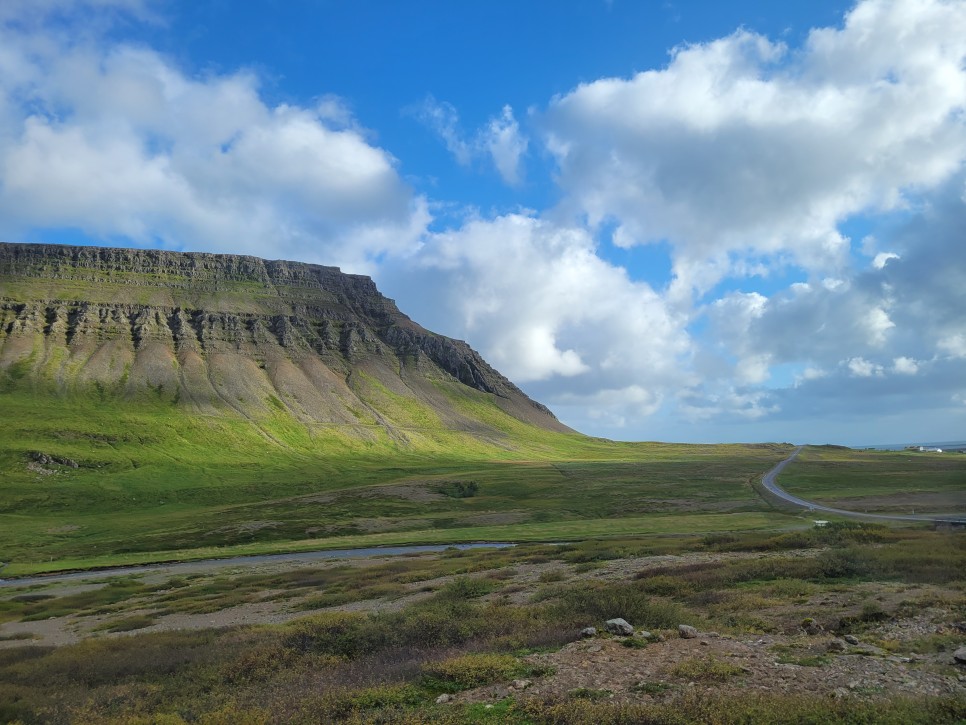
[768, 481]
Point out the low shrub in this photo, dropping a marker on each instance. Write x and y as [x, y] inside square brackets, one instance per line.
[472, 670]
[774, 709]
[129, 624]
[551, 576]
[594, 602]
[588, 693]
[706, 669]
[665, 585]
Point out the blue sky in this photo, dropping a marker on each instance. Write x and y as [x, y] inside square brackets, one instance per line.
[694, 221]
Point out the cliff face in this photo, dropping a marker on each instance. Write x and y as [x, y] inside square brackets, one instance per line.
[234, 335]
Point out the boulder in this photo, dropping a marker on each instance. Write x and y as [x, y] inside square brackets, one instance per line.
[687, 631]
[588, 632]
[959, 656]
[851, 639]
[619, 627]
[810, 626]
[443, 699]
[836, 645]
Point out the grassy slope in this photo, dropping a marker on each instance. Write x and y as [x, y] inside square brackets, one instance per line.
[154, 480]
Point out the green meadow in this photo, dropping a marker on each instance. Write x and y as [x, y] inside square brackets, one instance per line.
[153, 482]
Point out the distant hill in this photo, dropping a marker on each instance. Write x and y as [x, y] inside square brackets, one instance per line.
[241, 337]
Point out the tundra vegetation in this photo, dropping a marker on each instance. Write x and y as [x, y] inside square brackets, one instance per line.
[382, 641]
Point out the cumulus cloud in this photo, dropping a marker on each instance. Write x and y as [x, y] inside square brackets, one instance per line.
[890, 337]
[741, 146]
[500, 139]
[550, 313]
[862, 368]
[953, 345]
[745, 157]
[905, 366]
[119, 142]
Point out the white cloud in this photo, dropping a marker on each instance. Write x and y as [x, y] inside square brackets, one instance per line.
[753, 370]
[810, 373]
[543, 307]
[740, 146]
[877, 324]
[506, 145]
[730, 402]
[443, 118]
[882, 258]
[500, 139]
[905, 366]
[862, 368]
[953, 345]
[119, 142]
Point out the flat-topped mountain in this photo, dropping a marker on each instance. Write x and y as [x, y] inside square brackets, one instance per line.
[239, 336]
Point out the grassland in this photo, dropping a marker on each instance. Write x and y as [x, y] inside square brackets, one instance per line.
[155, 483]
[879, 481]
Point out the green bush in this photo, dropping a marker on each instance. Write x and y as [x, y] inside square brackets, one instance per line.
[463, 588]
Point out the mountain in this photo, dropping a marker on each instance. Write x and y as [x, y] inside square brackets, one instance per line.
[241, 337]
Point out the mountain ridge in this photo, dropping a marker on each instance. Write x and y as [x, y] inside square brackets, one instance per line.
[220, 333]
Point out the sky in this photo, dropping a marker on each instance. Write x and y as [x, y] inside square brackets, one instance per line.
[675, 220]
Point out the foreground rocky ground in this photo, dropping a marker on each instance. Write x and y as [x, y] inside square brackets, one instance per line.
[768, 623]
[639, 670]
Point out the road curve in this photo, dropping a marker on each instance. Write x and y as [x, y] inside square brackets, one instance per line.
[768, 481]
